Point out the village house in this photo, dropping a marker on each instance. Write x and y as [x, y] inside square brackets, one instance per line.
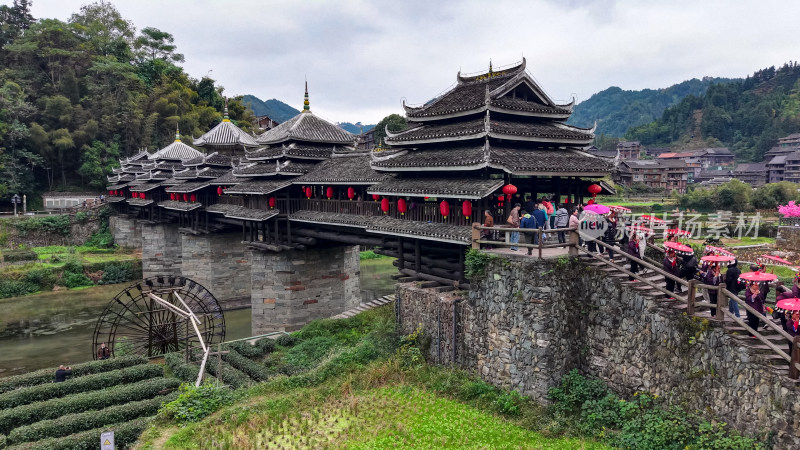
[754, 174]
[629, 150]
[669, 175]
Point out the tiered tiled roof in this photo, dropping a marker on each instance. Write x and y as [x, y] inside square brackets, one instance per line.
[145, 187]
[567, 162]
[242, 213]
[322, 218]
[308, 128]
[258, 187]
[180, 206]
[354, 170]
[139, 201]
[177, 150]
[465, 188]
[494, 91]
[269, 169]
[226, 135]
[228, 179]
[188, 187]
[213, 159]
[451, 157]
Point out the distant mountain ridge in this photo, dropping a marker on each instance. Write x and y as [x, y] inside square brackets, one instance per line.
[617, 110]
[273, 108]
[281, 112]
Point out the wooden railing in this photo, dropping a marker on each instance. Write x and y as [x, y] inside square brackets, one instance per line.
[571, 236]
[690, 287]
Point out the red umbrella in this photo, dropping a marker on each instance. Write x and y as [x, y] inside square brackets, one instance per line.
[758, 277]
[773, 260]
[717, 259]
[652, 219]
[640, 229]
[719, 251]
[679, 232]
[789, 304]
[619, 209]
[679, 248]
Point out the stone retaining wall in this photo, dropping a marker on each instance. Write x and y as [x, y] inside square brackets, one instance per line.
[526, 323]
[788, 238]
[161, 250]
[221, 263]
[126, 232]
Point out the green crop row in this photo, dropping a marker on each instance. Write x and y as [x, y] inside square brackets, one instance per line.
[262, 347]
[254, 370]
[186, 372]
[85, 401]
[78, 370]
[124, 434]
[94, 382]
[230, 376]
[75, 423]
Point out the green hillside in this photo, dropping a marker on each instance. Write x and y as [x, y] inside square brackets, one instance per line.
[273, 108]
[617, 110]
[748, 116]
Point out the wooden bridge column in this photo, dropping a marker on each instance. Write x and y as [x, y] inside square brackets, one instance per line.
[722, 303]
[690, 298]
[794, 373]
[401, 264]
[417, 257]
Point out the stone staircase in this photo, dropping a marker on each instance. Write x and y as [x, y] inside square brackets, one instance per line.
[761, 351]
[386, 299]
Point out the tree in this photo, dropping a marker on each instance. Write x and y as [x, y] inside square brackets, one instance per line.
[153, 44]
[734, 195]
[14, 20]
[395, 122]
[104, 29]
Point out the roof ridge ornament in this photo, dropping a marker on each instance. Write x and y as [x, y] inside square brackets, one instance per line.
[225, 117]
[177, 133]
[306, 104]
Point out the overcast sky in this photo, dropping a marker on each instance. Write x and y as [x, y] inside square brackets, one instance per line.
[362, 58]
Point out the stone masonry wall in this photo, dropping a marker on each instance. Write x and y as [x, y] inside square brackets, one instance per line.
[221, 263]
[788, 238]
[161, 250]
[290, 289]
[527, 323]
[126, 232]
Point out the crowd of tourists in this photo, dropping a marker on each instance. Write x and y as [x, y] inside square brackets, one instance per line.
[613, 235]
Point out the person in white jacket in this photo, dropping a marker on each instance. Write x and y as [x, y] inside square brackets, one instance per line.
[562, 221]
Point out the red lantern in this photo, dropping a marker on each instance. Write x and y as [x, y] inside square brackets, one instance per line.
[309, 191]
[401, 206]
[590, 202]
[351, 193]
[186, 197]
[329, 192]
[444, 208]
[219, 190]
[595, 189]
[271, 202]
[509, 190]
[194, 198]
[385, 205]
[376, 197]
[172, 196]
[426, 198]
[143, 196]
[466, 208]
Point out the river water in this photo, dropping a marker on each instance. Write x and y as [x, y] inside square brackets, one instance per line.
[52, 328]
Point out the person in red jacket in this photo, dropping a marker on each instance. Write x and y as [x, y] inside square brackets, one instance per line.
[792, 326]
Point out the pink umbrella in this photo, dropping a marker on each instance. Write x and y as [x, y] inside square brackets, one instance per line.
[619, 209]
[758, 277]
[719, 251]
[679, 248]
[789, 304]
[597, 209]
[773, 260]
[718, 259]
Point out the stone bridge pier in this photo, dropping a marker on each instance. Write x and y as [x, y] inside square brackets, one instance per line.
[285, 290]
[290, 289]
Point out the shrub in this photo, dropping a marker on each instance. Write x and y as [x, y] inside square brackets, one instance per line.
[53, 225]
[369, 254]
[117, 272]
[177, 363]
[194, 403]
[43, 277]
[74, 280]
[410, 351]
[475, 263]
[100, 238]
[17, 255]
[74, 423]
[575, 390]
[253, 369]
[510, 403]
[85, 401]
[81, 217]
[265, 345]
[245, 349]
[15, 288]
[98, 381]
[124, 434]
[286, 340]
[308, 353]
[78, 370]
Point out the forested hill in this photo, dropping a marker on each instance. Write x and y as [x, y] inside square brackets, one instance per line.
[617, 110]
[748, 116]
[272, 108]
[77, 95]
